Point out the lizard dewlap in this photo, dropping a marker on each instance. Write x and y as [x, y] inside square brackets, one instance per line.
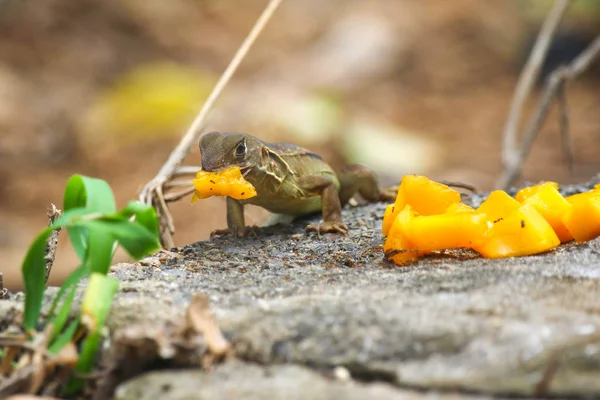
[228, 182]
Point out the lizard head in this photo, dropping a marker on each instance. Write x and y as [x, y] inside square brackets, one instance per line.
[222, 150]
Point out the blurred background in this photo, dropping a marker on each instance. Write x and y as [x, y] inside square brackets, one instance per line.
[106, 88]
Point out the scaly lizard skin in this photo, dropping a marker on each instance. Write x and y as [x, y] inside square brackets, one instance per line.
[288, 180]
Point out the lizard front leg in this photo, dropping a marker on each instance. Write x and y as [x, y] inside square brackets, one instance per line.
[236, 225]
[330, 204]
[356, 178]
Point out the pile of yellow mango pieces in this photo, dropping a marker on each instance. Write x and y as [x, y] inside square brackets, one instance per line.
[429, 216]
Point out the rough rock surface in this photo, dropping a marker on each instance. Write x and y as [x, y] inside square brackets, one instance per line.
[237, 380]
[296, 307]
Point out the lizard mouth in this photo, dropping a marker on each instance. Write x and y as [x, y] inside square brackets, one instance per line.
[213, 167]
[245, 169]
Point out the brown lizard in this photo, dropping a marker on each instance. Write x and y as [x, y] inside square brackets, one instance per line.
[288, 180]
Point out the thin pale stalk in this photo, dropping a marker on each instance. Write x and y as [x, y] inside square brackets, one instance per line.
[194, 132]
[528, 78]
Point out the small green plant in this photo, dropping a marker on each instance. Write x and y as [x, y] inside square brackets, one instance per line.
[95, 229]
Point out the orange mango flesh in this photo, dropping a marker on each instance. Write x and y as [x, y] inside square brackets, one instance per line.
[459, 208]
[582, 196]
[426, 197]
[552, 206]
[388, 218]
[392, 212]
[583, 219]
[228, 182]
[532, 190]
[446, 231]
[497, 205]
[522, 232]
[427, 217]
[397, 246]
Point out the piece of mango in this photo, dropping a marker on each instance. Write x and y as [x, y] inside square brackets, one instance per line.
[425, 196]
[531, 190]
[397, 246]
[522, 232]
[497, 206]
[457, 208]
[552, 206]
[392, 211]
[446, 231]
[574, 198]
[228, 182]
[583, 218]
[388, 219]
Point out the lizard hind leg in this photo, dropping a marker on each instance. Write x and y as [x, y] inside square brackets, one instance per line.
[356, 178]
[330, 203]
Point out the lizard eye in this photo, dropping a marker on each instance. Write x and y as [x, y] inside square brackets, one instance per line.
[240, 149]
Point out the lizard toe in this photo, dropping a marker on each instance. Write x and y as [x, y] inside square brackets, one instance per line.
[250, 231]
[226, 232]
[220, 232]
[328, 227]
[388, 193]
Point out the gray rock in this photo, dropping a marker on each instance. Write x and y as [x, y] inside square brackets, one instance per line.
[236, 380]
[450, 322]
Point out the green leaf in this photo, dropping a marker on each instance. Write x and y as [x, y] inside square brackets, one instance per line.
[73, 279]
[33, 269]
[97, 299]
[96, 305]
[144, 214]
[132, 208]
[148, 219]
[78, 237]
[72, 219]
[34, 279]
[63, 313]
[135, 238]
[101, 244]
[97, 246]
[93, 195]
[64, 338]
[74, 216]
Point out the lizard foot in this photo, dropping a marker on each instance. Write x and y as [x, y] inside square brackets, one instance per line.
[388, 193]
[247, 231]
[328, 227]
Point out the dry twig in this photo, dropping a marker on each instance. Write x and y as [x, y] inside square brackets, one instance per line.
[553, 88]
[52, 244]
[29, 365]
[460, 185]
[196, 341]
[563, 122]
[152, 192]
[31, 397]
[527, 79]
[201, 320]
[543, 386]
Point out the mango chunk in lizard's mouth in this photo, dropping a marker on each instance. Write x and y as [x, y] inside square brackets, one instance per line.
[228, 182]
